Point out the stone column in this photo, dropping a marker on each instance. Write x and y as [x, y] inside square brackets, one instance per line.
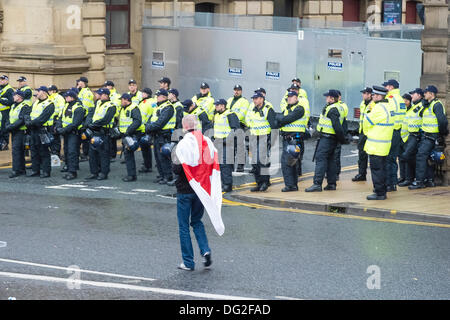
[435, 57]
[42, 40]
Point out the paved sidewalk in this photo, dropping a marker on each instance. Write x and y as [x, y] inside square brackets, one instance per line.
[430, 204]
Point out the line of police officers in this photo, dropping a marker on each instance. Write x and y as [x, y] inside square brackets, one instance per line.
[386, 126]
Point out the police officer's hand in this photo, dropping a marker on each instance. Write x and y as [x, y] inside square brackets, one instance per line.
[60, 130]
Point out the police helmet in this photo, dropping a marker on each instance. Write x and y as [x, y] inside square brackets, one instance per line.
[96, 142]
[167, 148]
[293, 152]
[130, 143]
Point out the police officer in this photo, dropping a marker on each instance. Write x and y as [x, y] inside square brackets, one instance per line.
[260, 120]
[114, 96]
[331, 133]
[6, 101]
[161, 125]
[102, 121]
[86, 98]
[364, 109]
[146, 107]
[292, 123]
[23, 86]
[129, 122]
[434, 130]
[414, 125]
[301, 92]
[40, 122]
[397, 105]
[16, 125]
[173, 98]
[404, 134]
[264, 93]
[225, 123]
[239, 105]
[379, 125]
[136, 95]
[204, 100]
[59, 103]
[343, 109]
[203, 122]
[72, 117]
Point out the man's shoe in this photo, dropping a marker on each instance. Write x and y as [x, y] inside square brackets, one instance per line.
[404, 183]
[157, 180]
[255, 189]
[129, 179]
[289, 189]
[376, 197]
[240, 168]
[253, 171]
[70, 176]
[91, 177]
[416, 185]
[83, 158]
[163, 181]
[264, 186]
[359, 177]
[102, 176]
[64, 169]
[330, 187]
[33, 174]
[145, 170]
[400, 180]
[227, 188]
[207, 260]
[391, 188]
[430, 184]
[314, 188]
[45, 175]
[183, 267]
[15, 174]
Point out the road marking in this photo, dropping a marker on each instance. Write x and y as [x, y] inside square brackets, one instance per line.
[57, 187]
[74, 186]
[144, 190]
[81, 270]
[354, 154]
[166, 197]
[112, 285]
[106, 188]
[328, 214]
[129, 193]
[89, 189]
[287, 298]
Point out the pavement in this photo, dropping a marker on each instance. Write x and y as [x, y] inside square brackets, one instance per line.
[427, 205]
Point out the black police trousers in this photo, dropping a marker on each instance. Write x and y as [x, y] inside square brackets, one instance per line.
[226, 165]
[163, 164]
[409, 156]
[325, 160]
[40, 153]
[99, 158]
[147, 156]
[378, 171]
[72, 151]
[5, 119]
[363, 157]
[261, 160]
[130, 159]
[18, 151]
[423, 170]
[391, 159]
[56, 145]
[290, 173]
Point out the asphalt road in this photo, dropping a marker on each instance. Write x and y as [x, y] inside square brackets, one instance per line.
[122, 241]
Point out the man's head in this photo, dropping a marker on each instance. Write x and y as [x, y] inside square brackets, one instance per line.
[416, 94]
[258, 99]
[19, 96]
[189, 122]
[82, 82]
[237, 90]
[204, 88]
[294, 88]
[125, 100]
[296, 81]
[42, 93]
[70, 96]
[109, 85]
[220, 105]
[4, 80]
[262, 91]
[103, 93]
[430, 92]
[292, 97]
[407, 98]
[22, 81]
[188, 105]
[132, 86]
[162, 95]
[164, 83]
[52, 89]
[379, 93]
[366, 94]
[391, 84]
[332, 96]
[147, 93]
[173, 94]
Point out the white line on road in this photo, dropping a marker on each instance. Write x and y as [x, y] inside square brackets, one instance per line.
[57, 187]
[74, 186]
[165, 197]
[106, 188]
[89, 189]
[287, 298]
[112, 285]
[144, 190]
[129, 193]
[81, 270]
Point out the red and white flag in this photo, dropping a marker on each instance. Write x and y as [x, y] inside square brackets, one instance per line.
[200, 162]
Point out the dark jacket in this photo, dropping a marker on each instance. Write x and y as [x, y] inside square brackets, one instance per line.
[77, 117]
[46, 114]
[25, 111]
[98, 124]
[438, 110]
[334, 116]
[293, 115]
[137, 121]
[164, 115]
[182, 184]
[7, 98]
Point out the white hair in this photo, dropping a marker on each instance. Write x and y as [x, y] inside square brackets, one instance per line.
[189, 122]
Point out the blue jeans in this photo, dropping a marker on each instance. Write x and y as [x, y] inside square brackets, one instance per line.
[189, 205]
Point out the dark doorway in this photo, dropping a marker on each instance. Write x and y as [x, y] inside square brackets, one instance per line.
[205, 7]
[351, 10]
[411, 12]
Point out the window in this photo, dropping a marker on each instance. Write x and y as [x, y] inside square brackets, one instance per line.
[117, 24]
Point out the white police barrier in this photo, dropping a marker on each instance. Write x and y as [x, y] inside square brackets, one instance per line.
[224, 50]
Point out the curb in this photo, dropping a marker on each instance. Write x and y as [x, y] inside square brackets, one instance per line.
[345, 208]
